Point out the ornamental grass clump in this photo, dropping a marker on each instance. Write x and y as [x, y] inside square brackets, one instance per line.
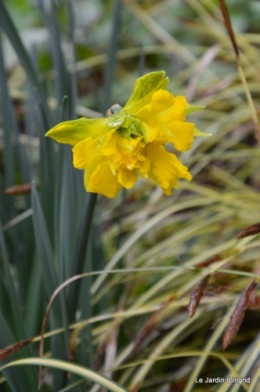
[115, 150]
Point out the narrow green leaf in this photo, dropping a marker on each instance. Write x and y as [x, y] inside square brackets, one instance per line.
[14, 329]
[71, 368]
[8, 122]
[81, 248]
[13, 35]
[34, 300]
[43, 245]
[111, 63]
[63, 87]
[18, 380]
[14, 306]
[50, 279]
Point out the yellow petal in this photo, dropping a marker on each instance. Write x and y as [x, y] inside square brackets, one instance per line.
[160, 101]
[84, 152]
[127, 178]
[122, 151]
[163, 107]
[144, 89]
[182, 135]
[153, 132]
[165, 168]
[72, 132]
[144, 166]
[162, 119]
[98, 178]
[179, 109]
[108, 146]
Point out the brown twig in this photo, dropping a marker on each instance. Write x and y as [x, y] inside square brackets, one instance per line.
[231, 34]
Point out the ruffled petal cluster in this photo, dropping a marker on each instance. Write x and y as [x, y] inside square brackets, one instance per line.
[114, 151]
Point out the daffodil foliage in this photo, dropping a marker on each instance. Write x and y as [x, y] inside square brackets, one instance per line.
[129, 143]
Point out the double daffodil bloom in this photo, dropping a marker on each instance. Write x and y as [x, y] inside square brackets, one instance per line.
[113, 151]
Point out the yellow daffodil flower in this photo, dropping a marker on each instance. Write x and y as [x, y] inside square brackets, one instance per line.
[113, 151]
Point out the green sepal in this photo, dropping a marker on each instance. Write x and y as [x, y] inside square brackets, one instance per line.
[72, 132]
[146, 85]
[193, 108]
[197, 132]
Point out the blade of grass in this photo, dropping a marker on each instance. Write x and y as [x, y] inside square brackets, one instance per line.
[81, 248]
[49, 14]
[70, 368]
[9, 124]
[50, 279]
[111, 63]
[161, 346]
[228, 25]
[143, 229]
[14, 314]
[43, 245]
[207, 349]
[16, 379]
[13, 35]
